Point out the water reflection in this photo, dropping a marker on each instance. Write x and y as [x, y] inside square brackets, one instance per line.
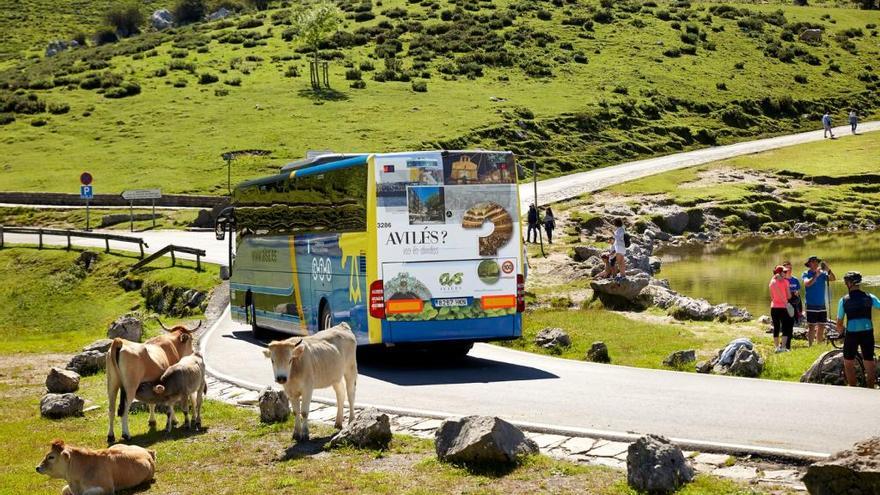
[738, 271]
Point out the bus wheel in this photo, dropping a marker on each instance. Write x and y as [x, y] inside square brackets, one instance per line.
[457, 350]
[256, 331]
[326, 320]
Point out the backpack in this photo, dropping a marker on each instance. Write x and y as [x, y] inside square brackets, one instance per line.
[627, 240]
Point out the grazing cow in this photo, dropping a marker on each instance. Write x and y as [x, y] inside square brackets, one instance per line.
[130, 363]
[302, 364]
[811, 35]
[181, 384]
[98, 472]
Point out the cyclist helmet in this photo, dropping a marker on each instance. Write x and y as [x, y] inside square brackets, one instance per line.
[854, 278]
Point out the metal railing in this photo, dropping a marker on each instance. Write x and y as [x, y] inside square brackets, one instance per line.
[40, 232]
[171, 248]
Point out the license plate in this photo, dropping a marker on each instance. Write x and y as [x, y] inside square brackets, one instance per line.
[446, 303]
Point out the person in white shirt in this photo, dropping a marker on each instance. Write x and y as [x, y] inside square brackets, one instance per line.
[620, 248]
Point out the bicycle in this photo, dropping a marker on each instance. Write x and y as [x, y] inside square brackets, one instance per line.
[836, 339]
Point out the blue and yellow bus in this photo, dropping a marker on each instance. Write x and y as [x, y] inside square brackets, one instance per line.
[407, 248]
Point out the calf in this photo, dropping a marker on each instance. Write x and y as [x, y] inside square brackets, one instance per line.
[181, 384]
[130, 363]
[302, 364]
[98, 472]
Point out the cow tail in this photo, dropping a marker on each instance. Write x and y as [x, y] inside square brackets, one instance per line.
[113, 367]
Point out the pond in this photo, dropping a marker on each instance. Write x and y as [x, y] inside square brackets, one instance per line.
[737, 271]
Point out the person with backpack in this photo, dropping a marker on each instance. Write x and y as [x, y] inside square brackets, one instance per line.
[783, 322]
[826, 125]
[549, 224]
[620, 245]
[532, 219]
[858, 332]
[853, 120]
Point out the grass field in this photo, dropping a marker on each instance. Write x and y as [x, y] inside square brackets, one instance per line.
[53, 305]
[569, 88]
[69, 218]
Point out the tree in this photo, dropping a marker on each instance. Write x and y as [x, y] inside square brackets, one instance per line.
[867, 4]
[189, 11]
[126, 18]
[312, 26]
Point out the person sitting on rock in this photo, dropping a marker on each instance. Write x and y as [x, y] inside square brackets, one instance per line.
[609, 259]
[855, 308]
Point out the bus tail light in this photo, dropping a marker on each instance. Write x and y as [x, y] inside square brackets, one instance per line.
[498, 302]
[398, 306]
[520, 293]
[377, 300]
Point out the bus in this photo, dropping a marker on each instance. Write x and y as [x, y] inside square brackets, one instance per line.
[418, 248]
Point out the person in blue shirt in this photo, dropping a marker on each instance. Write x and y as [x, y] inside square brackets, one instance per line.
[826, 125]
[856, 307]
[816, 280]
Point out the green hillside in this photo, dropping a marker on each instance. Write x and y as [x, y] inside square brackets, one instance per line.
[566, 84]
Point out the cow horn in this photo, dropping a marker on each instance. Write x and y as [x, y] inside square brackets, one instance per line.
[199, 325]
[162, 324]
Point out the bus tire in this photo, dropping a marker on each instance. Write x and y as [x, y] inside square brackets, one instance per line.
[456, 350]
[326, 319]
[256, 330]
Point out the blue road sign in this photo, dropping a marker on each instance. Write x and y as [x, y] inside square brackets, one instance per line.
[85, 192]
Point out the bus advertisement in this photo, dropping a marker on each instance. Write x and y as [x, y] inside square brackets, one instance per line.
[422, 247]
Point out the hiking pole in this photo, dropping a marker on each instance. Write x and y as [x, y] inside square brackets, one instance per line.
[535, 184]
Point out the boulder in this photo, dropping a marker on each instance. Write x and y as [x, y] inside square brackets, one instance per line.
[674, 221]
[481, 440]
[102, 345]
[56, 406]
[161, 19]
[88, 362]
[60, 381]
[655, 263]
[620, 294]
[552, 338]
[129, 283]
[827, 369]
[729, 313]
[218, 14]
[704, 367]
[204, 220]
[55, 47]
[764, 320]
[855, 471]
[370, 430]
[679, 358]
[274, 406]
[746, 362]
[584, 253]
[128, 327]
[598, 353]
[655, 465]
[619, 210]
[87, 260]
[194, 298]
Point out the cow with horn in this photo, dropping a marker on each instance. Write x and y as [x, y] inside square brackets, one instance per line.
[131, 363]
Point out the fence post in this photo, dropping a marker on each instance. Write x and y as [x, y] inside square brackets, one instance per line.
[68, 240]
[198, 263]
[40, 233]
[106, 244]
[141, 244]
[1, 236]
[173, 261]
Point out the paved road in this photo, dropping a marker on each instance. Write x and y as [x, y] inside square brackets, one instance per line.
[590, 397]
[574, 185]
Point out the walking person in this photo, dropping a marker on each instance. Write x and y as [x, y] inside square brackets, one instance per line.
[549, 224]
[795, 288]
[855, 307]
[826, 124]
[532, 219]
[816, 280]
[853, 120]
[619, 248]
[783, 322]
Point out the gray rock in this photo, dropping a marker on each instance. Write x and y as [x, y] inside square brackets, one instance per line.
[679, 358]
[161, 19]
[764, 320]
[598, 353]
[827, 369]
[655, 263]
[204, 220]
[218, 14]
[370, 430]
[129, 283]
[56, 406]
[274, 406]
[550, 338]
[55, 47]
[60, 381]
[728, 313]
[655, 465]
[481, 440]
[704, 367]
[674, 221]
[88, 362]
[746, 362]
[584, 253]
[87, 260]
[194, 298]
[128, 327]
[619, 211]
[102, 345]
[620, 294]
[855, 471]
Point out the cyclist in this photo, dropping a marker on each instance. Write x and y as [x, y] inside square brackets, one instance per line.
[816, 280]
[856, 308]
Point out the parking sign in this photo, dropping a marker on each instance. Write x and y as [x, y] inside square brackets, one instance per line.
[85, 192]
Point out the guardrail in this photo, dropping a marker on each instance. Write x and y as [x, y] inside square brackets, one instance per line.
[171, 248]
[40, 232]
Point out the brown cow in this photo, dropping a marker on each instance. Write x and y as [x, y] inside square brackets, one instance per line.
[181, 384]
[98, 472]
[130, 363]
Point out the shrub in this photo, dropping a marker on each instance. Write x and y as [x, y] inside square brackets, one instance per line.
[178, 53]
[721, 86]
[6, 118]
[739, 65]
[58, 108]
[181, 65]
[259, 4]
[621, 90]
[689, 38]
[127, 88]
[292, 71]
[352, 74]
[672, 52]
[420, 86]
[160, 72]
[663, 15]
[104, 36]
[90, 82]
[366, 66]
[189, 11]
[221, 92]
[110, 79]
[250, 23]
[800, 78]
[126, 18]
[688, 50]
[544, 15]
[207, 78]
[80, 38]
[180, 83]
[235, 81]
[604, 16]
[359, 84]
[581, 58]
[39, 122]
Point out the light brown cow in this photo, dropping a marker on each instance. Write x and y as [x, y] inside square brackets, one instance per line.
[302, 364]
[98, 472]
[130, 363]
[181, 384]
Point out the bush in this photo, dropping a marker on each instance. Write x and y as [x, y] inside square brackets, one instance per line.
[80, 37]
[739, 65]
[39, 122]
[160, 72]
[581, 58]
[359, 84]
[420, 86]
[127, 88]
[178, 53]
[221, 92]
[6, 118]
[207, 78]
[366, 66]
[688, 50]
[189, 11]
[90, 82]
[689, 38]
[250, 23]
[58, 108]
[259, 4]
[352, 75]
[181, 65]
[104, 36]
[292, 71]
[603, 16]
[672, 52]
[180, 83]
[800, 78]
[721, 86]
[544, 15]
[235, 81]
[126, 18]
[621, 90]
